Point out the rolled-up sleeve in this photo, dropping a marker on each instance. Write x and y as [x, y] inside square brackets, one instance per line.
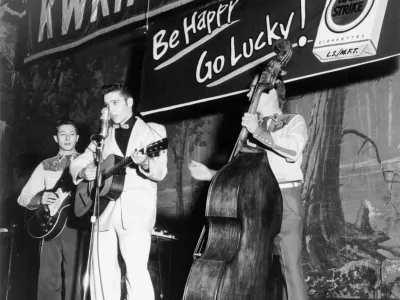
[32, 189]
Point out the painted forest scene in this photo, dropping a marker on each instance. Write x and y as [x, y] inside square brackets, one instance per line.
[351, 246]
[351, 163]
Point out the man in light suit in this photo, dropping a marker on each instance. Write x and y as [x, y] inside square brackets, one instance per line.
[126, 224]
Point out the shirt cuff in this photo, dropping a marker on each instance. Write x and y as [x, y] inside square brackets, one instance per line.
[264, 136]
[146, 167]
[34, 203]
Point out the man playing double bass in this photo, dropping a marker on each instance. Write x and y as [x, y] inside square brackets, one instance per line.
[284, 137]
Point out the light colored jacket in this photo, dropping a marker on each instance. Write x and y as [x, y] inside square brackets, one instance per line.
[139, 196]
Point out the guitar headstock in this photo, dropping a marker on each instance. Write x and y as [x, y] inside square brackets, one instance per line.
[155, 148]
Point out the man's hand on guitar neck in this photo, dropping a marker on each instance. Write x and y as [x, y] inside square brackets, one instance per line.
[141, 159]
[250, 121]
[89, 172]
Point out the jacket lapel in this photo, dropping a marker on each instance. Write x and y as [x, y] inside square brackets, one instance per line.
[138, 130]
[113, 144]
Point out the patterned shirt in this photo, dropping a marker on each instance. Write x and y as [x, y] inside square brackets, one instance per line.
[45, 177]
[285, 137]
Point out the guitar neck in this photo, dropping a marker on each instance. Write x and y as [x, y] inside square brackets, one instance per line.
[117, 167]
[151, 150]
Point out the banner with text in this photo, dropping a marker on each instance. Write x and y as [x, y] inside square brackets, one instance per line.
[57, 25]
[213, 52]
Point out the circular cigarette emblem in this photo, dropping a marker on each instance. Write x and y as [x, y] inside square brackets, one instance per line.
[343, 15]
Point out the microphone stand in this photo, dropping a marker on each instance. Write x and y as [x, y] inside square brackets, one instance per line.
[99, 152]
[95, 216]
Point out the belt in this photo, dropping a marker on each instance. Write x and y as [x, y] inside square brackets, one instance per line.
[289, 184]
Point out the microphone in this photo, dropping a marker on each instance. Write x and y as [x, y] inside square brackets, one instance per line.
[105, 122]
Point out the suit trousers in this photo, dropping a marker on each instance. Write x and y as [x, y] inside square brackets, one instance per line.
[61, 266]
[105, 272]
[288, 243]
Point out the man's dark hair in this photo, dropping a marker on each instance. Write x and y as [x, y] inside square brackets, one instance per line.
[125, 90]
[64, 122]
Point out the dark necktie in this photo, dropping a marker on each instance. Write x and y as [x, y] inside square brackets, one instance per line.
[267, 124]
[60, 164]
[66, 161]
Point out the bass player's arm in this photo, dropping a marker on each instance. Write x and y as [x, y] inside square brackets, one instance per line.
[200, 171]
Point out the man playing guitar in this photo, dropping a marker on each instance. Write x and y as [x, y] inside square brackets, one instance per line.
[126, 224]
[60, 254]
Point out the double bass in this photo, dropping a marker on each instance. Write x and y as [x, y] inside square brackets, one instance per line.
[244, 214]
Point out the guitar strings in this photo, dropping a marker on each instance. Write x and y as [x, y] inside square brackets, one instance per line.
[154, 147]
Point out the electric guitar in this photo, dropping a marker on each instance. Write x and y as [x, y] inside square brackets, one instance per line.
[47, 221]
[112, 172]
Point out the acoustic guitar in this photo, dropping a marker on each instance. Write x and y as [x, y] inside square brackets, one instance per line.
[112, 172]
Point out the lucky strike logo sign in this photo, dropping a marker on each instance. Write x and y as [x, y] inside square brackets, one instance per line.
[344, 15]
